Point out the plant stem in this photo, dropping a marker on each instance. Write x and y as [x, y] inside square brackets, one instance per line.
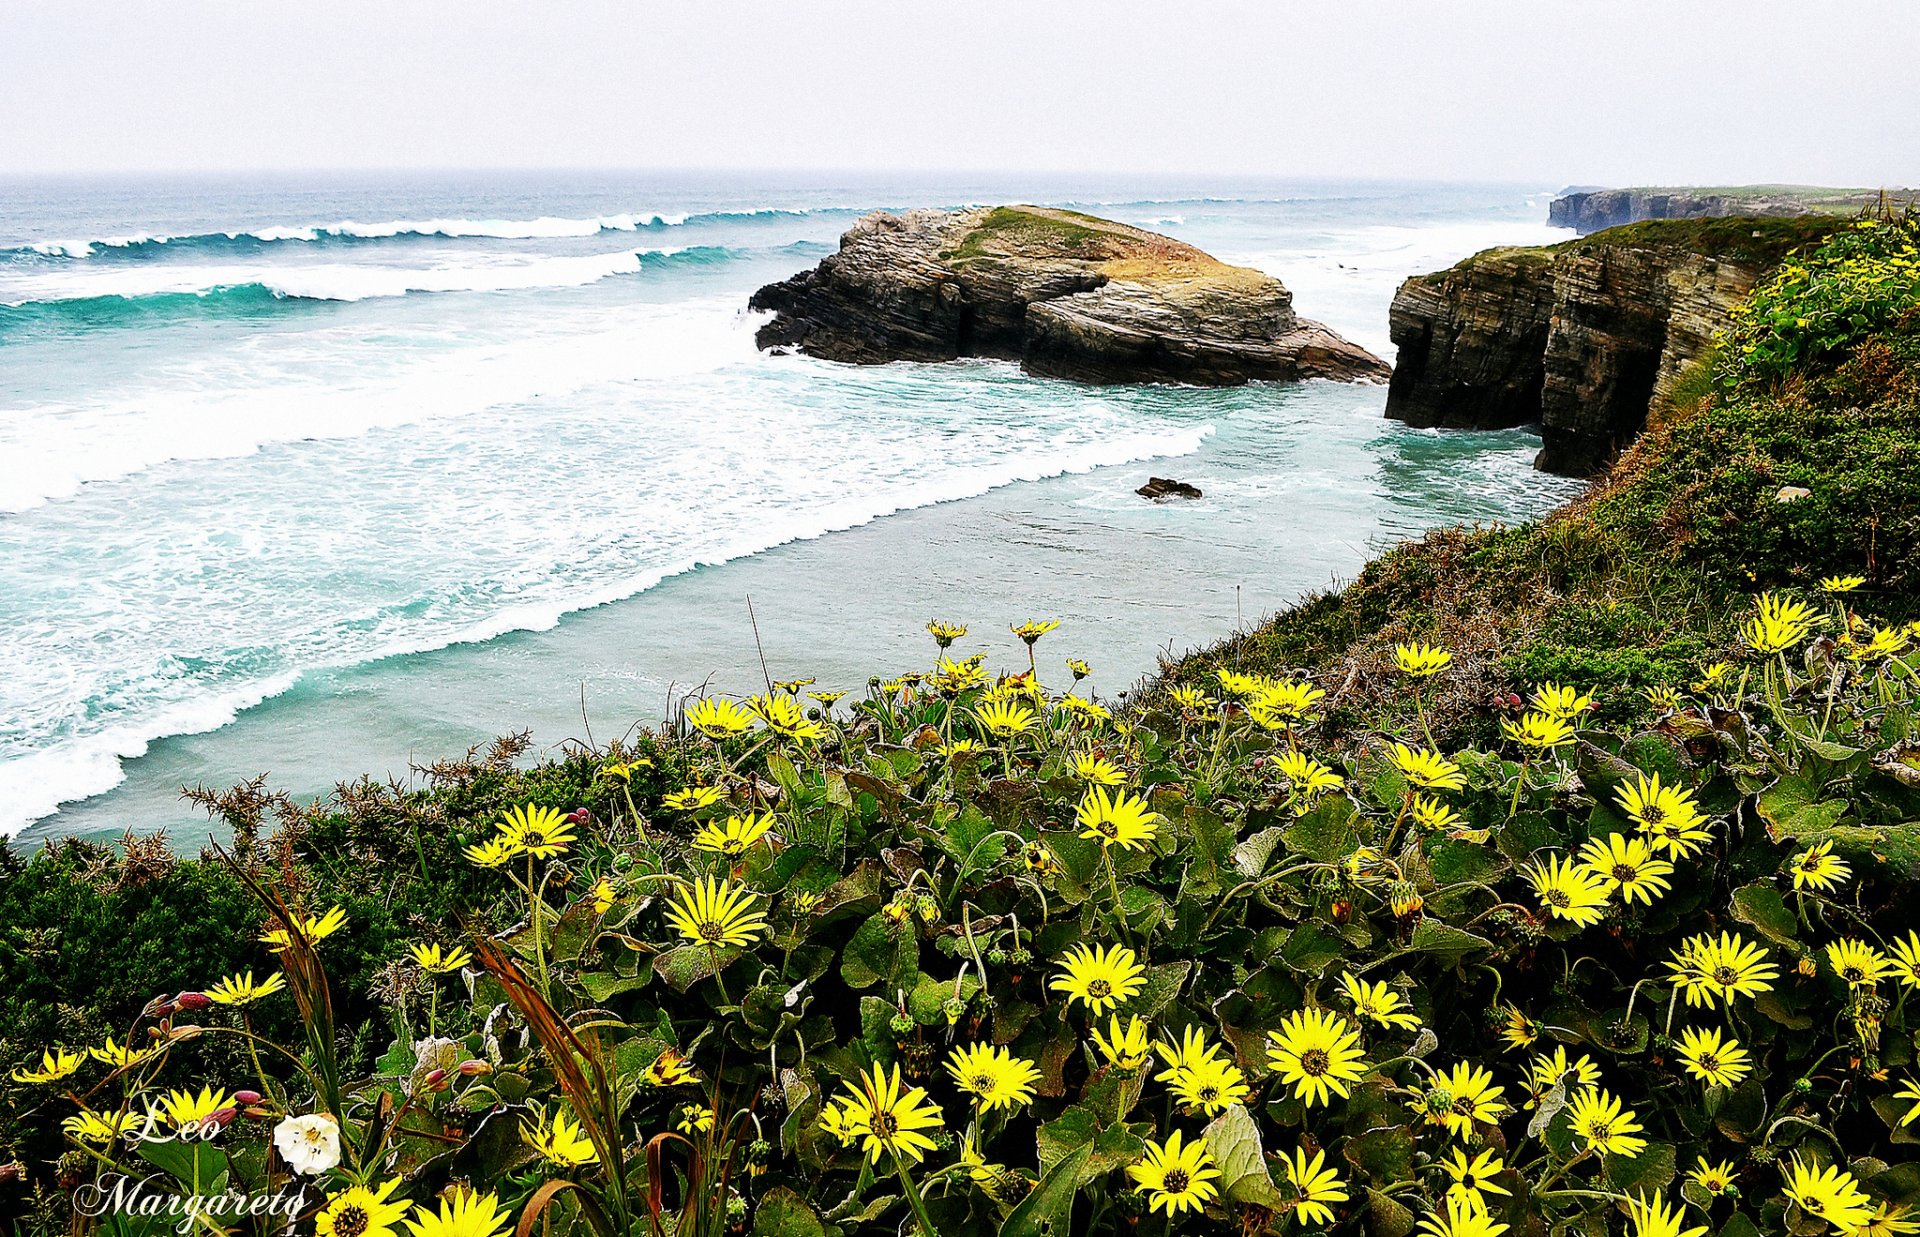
[914, 1200]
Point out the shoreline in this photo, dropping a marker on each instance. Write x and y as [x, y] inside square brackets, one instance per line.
[418, 707]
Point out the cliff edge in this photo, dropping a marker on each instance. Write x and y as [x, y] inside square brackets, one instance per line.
[1065, 294]
[1583, 339]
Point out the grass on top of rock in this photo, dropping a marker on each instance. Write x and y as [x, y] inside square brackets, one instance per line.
[1630, 588]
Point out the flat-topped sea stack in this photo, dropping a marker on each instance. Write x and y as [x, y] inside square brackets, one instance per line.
[1065, 294]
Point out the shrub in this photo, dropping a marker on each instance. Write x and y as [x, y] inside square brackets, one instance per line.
[974, 956]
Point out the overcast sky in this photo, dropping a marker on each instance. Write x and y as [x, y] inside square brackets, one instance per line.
[1548, 91]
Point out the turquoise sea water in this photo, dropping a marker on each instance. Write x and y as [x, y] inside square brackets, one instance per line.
[318, 479]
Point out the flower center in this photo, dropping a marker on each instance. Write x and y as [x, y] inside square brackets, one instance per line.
[1099, 989]
[980, 1084]
[534, 840]
[711, 931]
[1176, 1181]
[1853, 974]
[1559, 898]
[884, 1125]
[1624, 873]
[1710, 1063]
[1725, 976]
[1599, 1129]
[1314, 1061]
[351, 1222]
[1208, 1094]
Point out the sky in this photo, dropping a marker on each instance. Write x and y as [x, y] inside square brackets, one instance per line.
[1548, 91]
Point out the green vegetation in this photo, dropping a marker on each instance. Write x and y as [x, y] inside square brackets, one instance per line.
[1317, 937]
[1014, 229]
[1633, 585]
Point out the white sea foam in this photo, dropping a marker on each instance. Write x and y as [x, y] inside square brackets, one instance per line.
[336, 281]
[875, 471]
[332, 384]
[543, 228]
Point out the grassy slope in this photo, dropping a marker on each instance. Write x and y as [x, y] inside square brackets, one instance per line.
[1640, 583]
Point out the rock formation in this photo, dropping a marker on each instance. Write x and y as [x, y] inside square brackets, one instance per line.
[1600, 209]
[1067, 295]
[1582, 339]
[1594, 210]
[1158, 488]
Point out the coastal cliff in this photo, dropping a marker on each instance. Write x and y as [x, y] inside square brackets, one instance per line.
[1583, 339]
[1595, 210]
[1065, 294]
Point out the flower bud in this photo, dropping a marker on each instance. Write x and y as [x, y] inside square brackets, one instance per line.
[435, 1079]
[245, 1098]
[223, 1116]
[193, 1000]
[475, 1069]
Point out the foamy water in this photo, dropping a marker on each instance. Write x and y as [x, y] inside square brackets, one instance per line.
[245, 455]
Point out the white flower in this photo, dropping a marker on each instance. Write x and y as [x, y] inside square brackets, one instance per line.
[311, 1144]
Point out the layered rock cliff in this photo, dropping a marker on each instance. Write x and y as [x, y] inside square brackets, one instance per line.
[1594, 210]
[1599, 209]
[1582, 339]
[1065, 294]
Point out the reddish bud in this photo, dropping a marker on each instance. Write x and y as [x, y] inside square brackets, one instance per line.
[475, 1069]
[436, 1077]
[581, 816]
[193, 1000]
[224, 1115]
[244, 1098]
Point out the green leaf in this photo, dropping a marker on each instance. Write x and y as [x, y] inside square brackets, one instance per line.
[1325, 834]
[1048, 1210]
[880, 949]
[1651, 1170]
[1233, 1139]
[1761, 907]
[1251, 856]
[1385, 1155]
[1445, 941]
[782, 1213]
[1309, 950]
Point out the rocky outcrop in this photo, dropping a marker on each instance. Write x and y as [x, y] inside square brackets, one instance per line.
[1600, 209]
[1582, 339]
[1065, 294]
[1469, 342]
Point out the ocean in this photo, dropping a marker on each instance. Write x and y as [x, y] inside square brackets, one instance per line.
[323, 476]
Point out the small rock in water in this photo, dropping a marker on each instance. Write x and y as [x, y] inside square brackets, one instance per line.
[1166, 487]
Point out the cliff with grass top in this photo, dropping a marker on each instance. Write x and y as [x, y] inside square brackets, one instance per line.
[1594, 210]
[1787, 455]
[1065, 294]
[1585, 339]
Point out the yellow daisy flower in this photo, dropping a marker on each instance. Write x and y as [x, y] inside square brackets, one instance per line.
[1002, 719]
[1818, 868]
[1706, 969]
[694, 798]
[1425, 770]
[361, 1211]
[1421, 661]
[1314, 1186]
[462, 1213]
[560, 1140]
[716, 912]
[1541, 732]
[1567, 890]
[55, 1064]
[1100, 978]
[1626, 866]
[1097, 770]
[1715, 1179]
[887, 1118]
[1829, 1194]
[1117, 819]
[1653, 1217]
[1462, 1218]
[238, 990]
[993, 1076]
[735, 837]
[1377, 1003]
[542, 832]
[1464, 1097]
[1859, 964]
[315, 928]
[1210, 1086]
[1472, 1179]
[437, 961]
[1667, 815]
[1124, 1047]
[1714, 1061]
[719, 719]
[1316, 1053]
[1599, 1121]
[1176, 1176]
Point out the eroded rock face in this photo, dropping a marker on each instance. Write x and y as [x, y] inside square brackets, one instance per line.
[1469, 342]
[1067, 295]
[1600, 209]
[1582, 341]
